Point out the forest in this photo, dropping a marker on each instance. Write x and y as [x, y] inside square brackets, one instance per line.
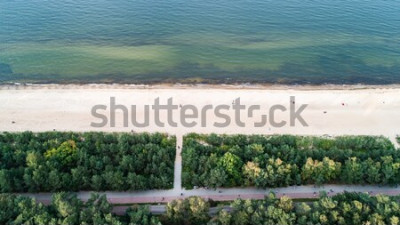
[67, 209]
[66, 161]
[284, 160]
[346, 208]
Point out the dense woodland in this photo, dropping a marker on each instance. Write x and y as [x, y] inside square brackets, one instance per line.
[67, 209]
[277, 161]
[65, 161]
[347, 208]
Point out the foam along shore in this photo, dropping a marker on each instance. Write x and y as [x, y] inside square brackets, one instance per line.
[330, 110]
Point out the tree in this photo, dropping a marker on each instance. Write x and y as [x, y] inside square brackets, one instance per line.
[5, 181]
[285, 203]
[240, 218]
[217, 178]
[97, 210]
[177, 211]
[232, 165]
[390, 170]
[193, 210]
[320, 172]
[251, 171]
[140, 215]
[199, 210]
[8, 208]
[55, 181]
[97, 183]
[394, 220]
[352, 172]
[66, 154]
[224, 218]
[29, 212]
[68, 207]
[372, 171]
[276, 173]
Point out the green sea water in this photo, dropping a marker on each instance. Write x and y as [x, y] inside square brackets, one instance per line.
[139, 41]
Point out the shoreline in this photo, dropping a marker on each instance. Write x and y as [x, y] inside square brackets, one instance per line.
[244, 86]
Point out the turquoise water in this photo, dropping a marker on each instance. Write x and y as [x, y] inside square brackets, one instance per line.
[288, 41]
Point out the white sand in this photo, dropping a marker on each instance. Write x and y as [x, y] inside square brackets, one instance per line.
[373, 111]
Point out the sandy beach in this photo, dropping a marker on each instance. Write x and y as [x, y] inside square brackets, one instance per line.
[350, 110]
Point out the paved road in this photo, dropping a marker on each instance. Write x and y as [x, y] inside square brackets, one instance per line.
[178, 164]
[161, 209]
[154, 209]
[164, 196]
